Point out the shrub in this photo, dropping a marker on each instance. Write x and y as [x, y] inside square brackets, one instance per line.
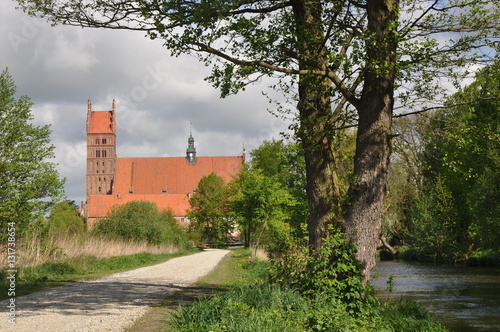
[333, 271]
[141, 221]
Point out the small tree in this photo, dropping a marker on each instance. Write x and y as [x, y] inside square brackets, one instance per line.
[262, 207]
[64, 220]
[141, 221]
[210, 212]
[29, 183]
[286, 165]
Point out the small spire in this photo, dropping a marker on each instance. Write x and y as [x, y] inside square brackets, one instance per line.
[191, 149]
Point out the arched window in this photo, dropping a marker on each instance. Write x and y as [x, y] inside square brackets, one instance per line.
[98, 153]
[103, 141]
[96, 141]
[104, 153]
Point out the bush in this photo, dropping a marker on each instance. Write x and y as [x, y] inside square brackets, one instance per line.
[141, 221]
[333, 271]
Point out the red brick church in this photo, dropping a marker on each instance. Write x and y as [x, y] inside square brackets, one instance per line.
[168, 181]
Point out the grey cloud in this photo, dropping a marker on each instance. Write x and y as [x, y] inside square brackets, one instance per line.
[158, 97]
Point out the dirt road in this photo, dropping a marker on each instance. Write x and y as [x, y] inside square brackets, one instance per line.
[107, 304]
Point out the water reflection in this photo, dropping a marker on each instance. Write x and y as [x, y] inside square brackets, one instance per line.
[462, 298]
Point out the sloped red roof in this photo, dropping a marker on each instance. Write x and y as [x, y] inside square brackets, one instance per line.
[168, 182]
[171, 175]
[101, 122]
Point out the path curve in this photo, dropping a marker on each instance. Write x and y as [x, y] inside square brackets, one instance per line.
[110, 303]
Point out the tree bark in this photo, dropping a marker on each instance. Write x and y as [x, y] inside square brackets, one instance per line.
[314, 111]
[364, 213]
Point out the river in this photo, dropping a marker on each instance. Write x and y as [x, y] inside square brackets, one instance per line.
[461, 298]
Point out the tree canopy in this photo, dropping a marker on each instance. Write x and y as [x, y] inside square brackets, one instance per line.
[29, 182]
[336, 59]
[210, 213]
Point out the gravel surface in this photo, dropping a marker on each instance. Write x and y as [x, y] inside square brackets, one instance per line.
[111, 303]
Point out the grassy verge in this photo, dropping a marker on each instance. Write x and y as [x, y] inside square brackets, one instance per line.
[227, 274]
[50, 274]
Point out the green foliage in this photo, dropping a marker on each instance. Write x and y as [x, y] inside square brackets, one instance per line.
[262, 206]
[63, 220]
[29, 183]
[141, 221]
[391, 281]
[332, 271]
[458, 211]
[286, 165]
[210, 212]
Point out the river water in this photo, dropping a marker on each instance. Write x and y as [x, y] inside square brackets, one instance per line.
[461, 298]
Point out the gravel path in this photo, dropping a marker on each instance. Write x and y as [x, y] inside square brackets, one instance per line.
[111, 303]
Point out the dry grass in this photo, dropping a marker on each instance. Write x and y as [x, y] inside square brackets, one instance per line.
[259, 254]
[31, 251]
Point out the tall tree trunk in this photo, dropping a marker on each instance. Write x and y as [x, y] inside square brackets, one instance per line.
[364, 213]
[314, 110]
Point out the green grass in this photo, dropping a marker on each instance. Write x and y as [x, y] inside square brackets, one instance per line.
[252, 303]
[47, 275]
[229, 272]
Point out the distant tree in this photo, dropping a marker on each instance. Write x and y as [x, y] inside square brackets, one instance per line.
[64, 220]
[262, 207]
[285, 164]
[141, 221]
[210, 212]
[405, 174]
[29, 182]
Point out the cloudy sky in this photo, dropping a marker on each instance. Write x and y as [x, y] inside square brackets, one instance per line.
[157, 96]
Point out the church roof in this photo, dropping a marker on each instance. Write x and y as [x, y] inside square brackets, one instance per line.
[171, 175]
[167, 181]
